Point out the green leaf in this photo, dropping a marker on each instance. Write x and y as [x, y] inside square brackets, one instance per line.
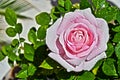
[43, 18]
[15, 42]
[39, 43]
[118, 66]
[22, 39]
[116, 37]
[107, 13]
[116, 29]
[86, 76]
[109, 68]
[98, 4]
[12, 56]
[18, 28]
[61, 9]
[84, 4]
[11, 32]
[10, 17]
[45, 64]
[10, 52]
[52, 15]
[32, 36]
[110, 49]
[1, 56]
[117, 50]
[61, 3]
[23, 73]
[118, 16]
[41, 33]
[68, 5]
[96, 67]
[31, 69]
[28, 52]
[4, 49]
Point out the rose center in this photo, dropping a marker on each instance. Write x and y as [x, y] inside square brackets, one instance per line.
[76, 36]
[76, 39]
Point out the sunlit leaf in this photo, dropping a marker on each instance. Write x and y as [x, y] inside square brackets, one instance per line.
[15, 42]
[110, 50]
[109, 68]
[84, 4]
[98, 4]
[18, 28]
[107, 13]
[116, 37]
[118, 16]
[23, 73]
[1, 56]
[118, 66]
[32, 36]
[28, 52]
[61, 2]
[116, 29]
[86, 76]
[68, 5]
[43, 18]
[45, 64]
[22, 39]
[31, 69]
[96, 67]
[11, 32]
[10, 17]
[41, 33]
[117, 50]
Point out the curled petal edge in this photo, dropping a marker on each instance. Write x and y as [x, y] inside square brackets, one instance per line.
[83, 65]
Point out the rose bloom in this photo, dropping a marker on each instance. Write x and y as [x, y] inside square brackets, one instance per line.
[78, 40]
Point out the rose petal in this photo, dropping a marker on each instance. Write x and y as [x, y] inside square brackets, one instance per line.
[84, 53]
[83, 66]
[104, 27]
[77, 61]
[51, 36]
[86, 59]
[90, 64]
[88, 15]
[103, 34]
[69, 19]
[61, 61]
[61, 39]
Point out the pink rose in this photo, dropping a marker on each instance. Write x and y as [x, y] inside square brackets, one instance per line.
[78, 40]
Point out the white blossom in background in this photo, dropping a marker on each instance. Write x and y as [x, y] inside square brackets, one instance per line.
[115, 2]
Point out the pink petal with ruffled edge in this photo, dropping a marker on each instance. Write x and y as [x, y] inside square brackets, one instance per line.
[83, 65]
[104, 27]
[90, 64]
[84, 53]
[61, 61]
[69, 19]
[98, 51]
[51, 36]
[103, 34]
[88, 15]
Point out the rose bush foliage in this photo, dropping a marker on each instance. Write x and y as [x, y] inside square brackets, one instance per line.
[78, 40]
[72, 35]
